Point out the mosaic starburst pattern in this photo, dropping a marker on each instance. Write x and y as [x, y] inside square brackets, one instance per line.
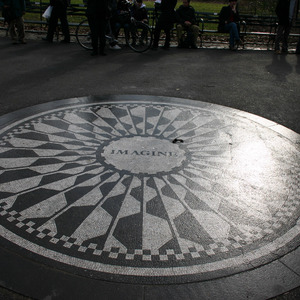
[147, 189]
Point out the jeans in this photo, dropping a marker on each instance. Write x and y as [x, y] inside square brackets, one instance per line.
[232, 28]
[118, 26]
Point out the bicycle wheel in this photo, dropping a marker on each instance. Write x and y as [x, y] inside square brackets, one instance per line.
[83, 35]
[139, 37]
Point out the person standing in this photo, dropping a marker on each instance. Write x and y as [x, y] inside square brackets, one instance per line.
[16, 10]
[286, 11]
[165, 22]
[59, 11]
[97, 13]
[229, 19]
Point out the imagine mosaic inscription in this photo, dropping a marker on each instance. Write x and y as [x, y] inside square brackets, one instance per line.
[103, 183]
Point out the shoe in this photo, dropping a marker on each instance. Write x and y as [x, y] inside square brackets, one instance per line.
[232, 48]
[277, 51]
[115, 47]
[46, 40]
[165, 47]
[155, 48]
[94, 53]
[113, 43]
[23, 42]
[239, 43]
[194, 47]
[102, 53]
[65, 41]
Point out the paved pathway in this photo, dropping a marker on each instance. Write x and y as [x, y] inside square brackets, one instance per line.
[146, 176]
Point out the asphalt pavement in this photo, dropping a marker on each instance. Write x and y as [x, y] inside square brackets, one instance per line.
[258, 82]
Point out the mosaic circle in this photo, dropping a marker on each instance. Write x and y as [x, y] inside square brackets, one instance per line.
[145, 190]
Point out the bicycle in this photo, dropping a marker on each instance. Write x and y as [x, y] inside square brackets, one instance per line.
[138, 37]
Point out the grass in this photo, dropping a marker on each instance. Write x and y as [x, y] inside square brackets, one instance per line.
[198, 6]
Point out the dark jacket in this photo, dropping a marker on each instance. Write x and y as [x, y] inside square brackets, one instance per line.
[16, 7]
[225, 15]
[139, 14]
[282, 11]
[98, 8]
[168, 6]
[186, 14]
[60, 3]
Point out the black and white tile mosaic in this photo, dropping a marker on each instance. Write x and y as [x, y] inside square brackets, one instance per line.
[148, 189]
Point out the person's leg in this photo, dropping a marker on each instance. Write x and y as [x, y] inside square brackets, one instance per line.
[20, 29]
[278, 38]
[126, 27]
[298, 47]
[156, 37]
[179, 29]
[168, 38]
[195, 30]
[286, 34]
[157, 30]
[144, 36]
[102, 39]
[12, 30]
[94, 34]
[167, 26]
[52, 24]
[117, 29]
[64, 25]
[233, 33]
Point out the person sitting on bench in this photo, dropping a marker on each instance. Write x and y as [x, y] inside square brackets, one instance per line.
[229, 22]
[187, 21]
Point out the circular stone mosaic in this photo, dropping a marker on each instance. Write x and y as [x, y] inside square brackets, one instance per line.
[156, 188]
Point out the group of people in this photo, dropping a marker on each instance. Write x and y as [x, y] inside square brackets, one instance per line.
[117, 14]
[13, 11]
[99, 12]
[111, 15]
